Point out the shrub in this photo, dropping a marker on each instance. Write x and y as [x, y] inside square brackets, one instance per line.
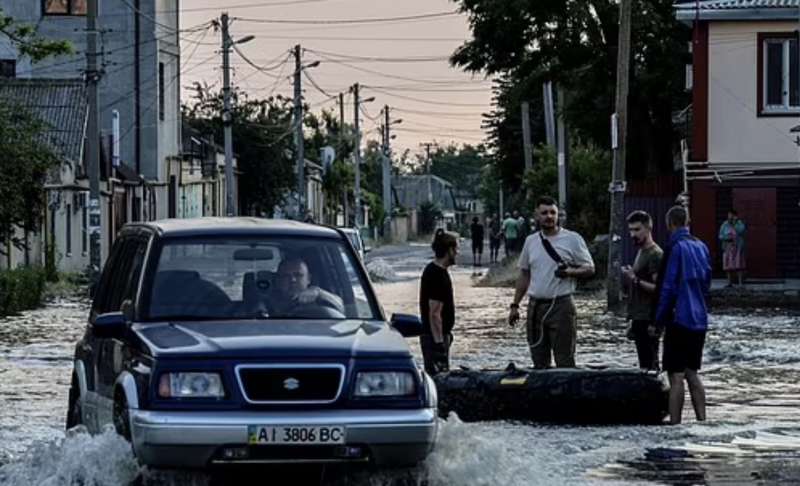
[21, 289]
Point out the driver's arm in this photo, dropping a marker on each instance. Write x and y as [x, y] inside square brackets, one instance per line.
[330, 298]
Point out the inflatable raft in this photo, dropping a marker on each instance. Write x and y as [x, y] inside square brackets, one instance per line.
[563, 396]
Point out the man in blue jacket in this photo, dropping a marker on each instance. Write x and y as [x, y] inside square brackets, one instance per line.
[682, 288]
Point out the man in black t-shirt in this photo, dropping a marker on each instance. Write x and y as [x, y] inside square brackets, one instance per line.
[476, 234]
[436, 304]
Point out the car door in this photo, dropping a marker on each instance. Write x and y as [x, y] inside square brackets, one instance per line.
[123, 286]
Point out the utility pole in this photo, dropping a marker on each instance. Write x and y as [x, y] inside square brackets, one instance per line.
[357, 127]
[93, 135]
[563, 155]
[526, 135]
[387, 175]
[227, 118]
[549, 114]
[299, 144]
[341, 152]
[428, 146]
[618, 185]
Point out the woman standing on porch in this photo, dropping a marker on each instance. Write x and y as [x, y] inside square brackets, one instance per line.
[731, 235]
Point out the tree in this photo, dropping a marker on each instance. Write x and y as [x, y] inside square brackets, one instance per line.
[24, 38]
[25, 162]
[262, 135]
[25, 159]
[523, 43]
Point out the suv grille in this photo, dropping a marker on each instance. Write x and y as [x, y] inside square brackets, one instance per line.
[290, 383]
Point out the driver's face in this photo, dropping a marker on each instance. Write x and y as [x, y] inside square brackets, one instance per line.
[293, 278]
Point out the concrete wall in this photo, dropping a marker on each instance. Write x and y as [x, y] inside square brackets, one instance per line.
[735, 132]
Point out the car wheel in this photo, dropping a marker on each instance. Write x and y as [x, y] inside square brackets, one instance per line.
[74, 409]
[122, 423]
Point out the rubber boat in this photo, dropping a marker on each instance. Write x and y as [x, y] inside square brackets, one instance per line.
[559, 396]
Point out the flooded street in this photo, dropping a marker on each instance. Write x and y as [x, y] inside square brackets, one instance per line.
[751, 371]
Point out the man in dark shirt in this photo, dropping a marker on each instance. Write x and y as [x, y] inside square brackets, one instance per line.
[642, 278]
[476, 234]
[436, 304]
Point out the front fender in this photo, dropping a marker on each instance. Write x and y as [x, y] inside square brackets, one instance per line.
[127, 383]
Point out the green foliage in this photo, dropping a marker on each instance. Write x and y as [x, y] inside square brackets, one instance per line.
[429, 212]
[24, 38]
[25, 162]
[590, 174]
[262, 135]
[461, 166]
[574, 43]
[21, 289]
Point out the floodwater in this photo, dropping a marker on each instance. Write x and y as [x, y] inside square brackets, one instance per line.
[751, 372]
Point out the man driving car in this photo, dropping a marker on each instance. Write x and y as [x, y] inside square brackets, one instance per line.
[293, 290]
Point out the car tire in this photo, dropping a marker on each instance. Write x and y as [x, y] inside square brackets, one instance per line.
[74, 409]
[122, 422]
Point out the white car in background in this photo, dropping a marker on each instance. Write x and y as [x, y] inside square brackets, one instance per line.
[358, 243]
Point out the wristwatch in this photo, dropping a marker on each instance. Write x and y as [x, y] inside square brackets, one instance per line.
[515, 306]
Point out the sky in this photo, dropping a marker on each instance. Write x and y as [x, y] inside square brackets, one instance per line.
[435, 101]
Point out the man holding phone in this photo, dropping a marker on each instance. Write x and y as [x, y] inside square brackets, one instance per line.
[550, 263]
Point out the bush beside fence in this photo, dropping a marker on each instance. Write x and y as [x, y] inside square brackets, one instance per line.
[21, 289]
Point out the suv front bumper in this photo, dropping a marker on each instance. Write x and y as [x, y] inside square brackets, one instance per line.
[194, 439]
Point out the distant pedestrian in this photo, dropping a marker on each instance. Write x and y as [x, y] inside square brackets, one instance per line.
[641, 279]
[510, 232]
[437, 304]
[551, 262]
[731, 235]
[476, 234]
[683, 284]
[524, 229]
[495, 237]
[309, 218]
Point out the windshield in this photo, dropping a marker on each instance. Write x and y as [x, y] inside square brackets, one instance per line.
[258, 278]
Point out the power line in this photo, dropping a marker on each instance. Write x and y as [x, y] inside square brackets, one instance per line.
[351, 58]
[365, 39]
[429, 102]
[314, 83]
[252, 64]
[379, 73]
[378, 20]
[438, 113]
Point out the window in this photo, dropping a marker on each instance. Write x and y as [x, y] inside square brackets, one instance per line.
[8, 68]
[64, 7]
[161, 89]
[779, 90]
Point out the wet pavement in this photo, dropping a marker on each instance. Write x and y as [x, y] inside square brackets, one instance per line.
[751, 372]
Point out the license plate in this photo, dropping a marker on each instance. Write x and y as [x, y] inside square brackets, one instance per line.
[285, 434]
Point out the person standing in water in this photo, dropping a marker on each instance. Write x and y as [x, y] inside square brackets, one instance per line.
[437, 304]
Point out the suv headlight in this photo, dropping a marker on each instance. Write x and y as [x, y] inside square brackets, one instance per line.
[384, 384]
[190, 385]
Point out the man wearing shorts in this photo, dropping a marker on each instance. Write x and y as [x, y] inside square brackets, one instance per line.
[476, 235]
[682, 288]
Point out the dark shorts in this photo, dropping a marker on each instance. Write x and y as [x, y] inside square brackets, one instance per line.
[683, 349]
[477, 246]
[494, 243]
[435, 364]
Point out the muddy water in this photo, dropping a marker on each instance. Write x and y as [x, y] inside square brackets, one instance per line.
[751, 373]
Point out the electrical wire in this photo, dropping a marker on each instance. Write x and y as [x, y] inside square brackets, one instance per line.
[429, 102]
[314, 83]
[351, 58]
[377, 20]
[263, 71]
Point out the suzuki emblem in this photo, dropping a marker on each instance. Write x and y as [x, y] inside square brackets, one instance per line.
[291, 383]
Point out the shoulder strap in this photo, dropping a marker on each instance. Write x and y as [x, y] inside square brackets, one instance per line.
[548, 247]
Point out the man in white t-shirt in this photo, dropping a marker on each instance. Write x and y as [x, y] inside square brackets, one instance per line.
[550, 263]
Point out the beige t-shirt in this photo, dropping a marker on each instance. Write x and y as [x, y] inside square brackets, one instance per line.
[544, 283]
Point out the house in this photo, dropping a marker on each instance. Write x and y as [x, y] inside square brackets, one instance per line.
[412, 191]
[140, 64]
[61, 106]
[202, 185]
[743, 151]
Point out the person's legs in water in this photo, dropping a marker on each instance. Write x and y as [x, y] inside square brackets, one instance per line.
[563, 323]
[698, 394]
[741, 277]
[538, 338]
[676, 396]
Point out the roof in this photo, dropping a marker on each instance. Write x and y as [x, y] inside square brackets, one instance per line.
[412, 191]
[241, 226]
[737, 10]
[60, 104]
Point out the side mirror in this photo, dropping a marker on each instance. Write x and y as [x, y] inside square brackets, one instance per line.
[408, 325]
[111, 325]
